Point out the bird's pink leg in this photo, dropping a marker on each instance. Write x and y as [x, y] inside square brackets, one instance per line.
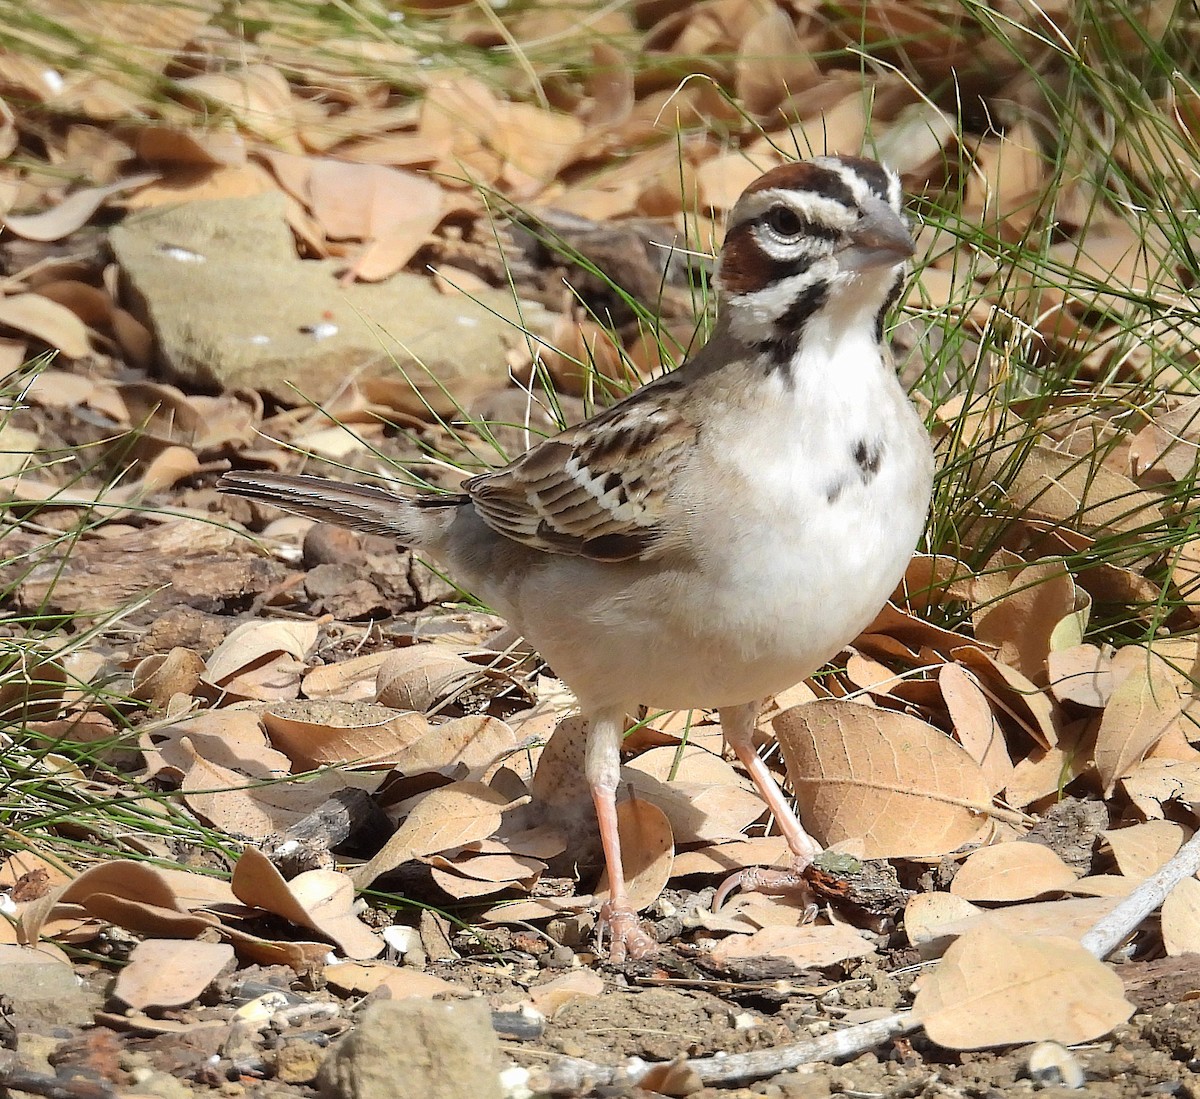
[603, 766]
[737, 725]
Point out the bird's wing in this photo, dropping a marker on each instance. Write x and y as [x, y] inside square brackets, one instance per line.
[601, 490]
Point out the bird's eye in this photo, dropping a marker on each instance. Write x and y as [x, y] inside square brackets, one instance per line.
[784, 221]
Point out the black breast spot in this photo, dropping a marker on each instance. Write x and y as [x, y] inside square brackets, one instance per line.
[867, 456]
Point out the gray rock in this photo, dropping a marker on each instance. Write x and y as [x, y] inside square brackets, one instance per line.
[230, 304]
[45, 993]
[416, 1049]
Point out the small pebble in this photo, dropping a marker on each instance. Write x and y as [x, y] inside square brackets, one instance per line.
[1052, 1065]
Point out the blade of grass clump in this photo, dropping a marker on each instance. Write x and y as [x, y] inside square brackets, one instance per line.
[1098, 85]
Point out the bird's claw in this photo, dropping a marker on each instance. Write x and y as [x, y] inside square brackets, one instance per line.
[758, 879]
[629, 939]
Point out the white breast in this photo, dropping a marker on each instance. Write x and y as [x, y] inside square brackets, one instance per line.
[802, 554]
[779, 572]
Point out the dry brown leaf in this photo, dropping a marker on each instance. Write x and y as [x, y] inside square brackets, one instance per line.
[550, 995]
[533, 144]
[836, 127]
[175, 464]
[322, 900]
[1017, 871]
[421, 676]
[647, 850]
[1081, 674]
[537, 908]
[773, 64]
[885, 782]
[158, 678]
[1017, 694]
[1006, 181]
[447, 817]
[1020, 620]
[391, 211]
[350, 680]
[993, 988]
[33, 687]
[721, 179]
[1076, 493]
[170, 972]
[151, 920]
[231, 738]
[725, 858]
[812, 946]
[73, 212]
[610, 86]
[476, 743]
[1154, 783]
[318, 733]
[1180, 919]
[1138, 714]
[173, 146]
[756, 911]
[915, 141]
[975, 725]
[303, 956]
[937, 926]
[258, 96]
[891, 623]
[121, 877]
[927, 914]
[249, 644]
[1105, 885]
[470, 874]
[9, 139]
[687, 763]
[870, 675]
[1044, 773]
[247, 807]
[60, 389]
[363, 978]
[168, 416]
[204, 184]
[43, 954]
[1142, 849]
[26, 876]
[47, 321]
[699, 812]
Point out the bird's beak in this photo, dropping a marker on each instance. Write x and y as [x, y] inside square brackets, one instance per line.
[880, 239]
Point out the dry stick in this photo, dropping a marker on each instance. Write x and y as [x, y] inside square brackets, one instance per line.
[569, 1073]
[1111, 931]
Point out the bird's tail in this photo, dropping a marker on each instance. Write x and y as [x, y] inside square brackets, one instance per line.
[413, 520]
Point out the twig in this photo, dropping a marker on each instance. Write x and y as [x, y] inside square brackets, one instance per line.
[1109, 932]
[567, 1074]
[571, 1074]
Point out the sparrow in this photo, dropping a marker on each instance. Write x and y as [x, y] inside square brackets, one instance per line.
[722, 532]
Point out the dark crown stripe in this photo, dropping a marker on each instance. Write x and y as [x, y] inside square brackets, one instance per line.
[874, 175]
[803, 176]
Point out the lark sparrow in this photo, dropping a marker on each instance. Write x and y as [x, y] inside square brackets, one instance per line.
[722, 532]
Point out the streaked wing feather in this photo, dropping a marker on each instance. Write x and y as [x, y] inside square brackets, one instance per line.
[599, 490]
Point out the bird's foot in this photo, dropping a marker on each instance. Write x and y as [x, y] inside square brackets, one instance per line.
[629, 939]
[758, 879]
